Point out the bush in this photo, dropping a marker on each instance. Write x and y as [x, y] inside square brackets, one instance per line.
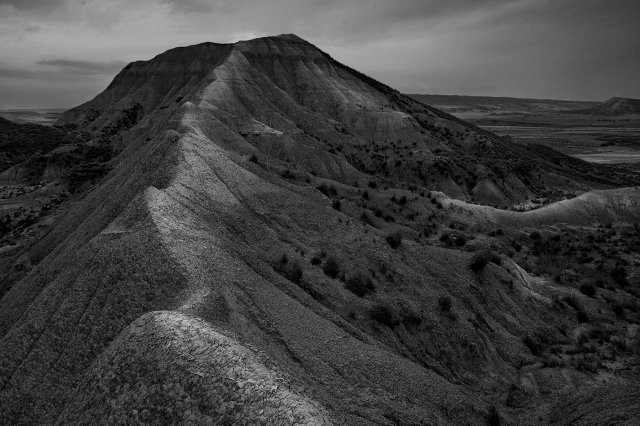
[582, 317]
[317, 259]
[534, 345]
[331, 267]
[290, 270]
[479, 260]
[336, 205]
[394, 240]
[493, 417]
[535, 235]
[382, 314]
[445, 303]
[327, 190]
[618, 309]
[460, 240]
[588, 289]
[360, 284]
[573, 302]
[619, 275]
[364, 217]
[287, 174]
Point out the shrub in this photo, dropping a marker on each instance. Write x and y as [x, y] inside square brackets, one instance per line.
[493, 417]
[445, 303]
[446, 238]
[582, 317]
[336, 205]
[331, 267]
[618, 309]
[327, 190]
[619, 275]
[364, 217]
[291, 270]
[394, 240]
[411, 319]
[460, 240]
[317, 259]
[254, 159]
[479, 260]
[360, 284]
[382, 314]
[287, 174]
[535, 235]
[588, 289]
[365, 195]
[573, 302]
[534, 345]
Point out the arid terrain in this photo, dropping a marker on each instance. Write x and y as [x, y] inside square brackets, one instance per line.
[33, 116]
[255, 233]
[600, 132]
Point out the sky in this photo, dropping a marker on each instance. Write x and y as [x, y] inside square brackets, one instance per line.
[60, 53]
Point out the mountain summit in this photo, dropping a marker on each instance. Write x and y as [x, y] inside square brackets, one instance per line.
[261, 250]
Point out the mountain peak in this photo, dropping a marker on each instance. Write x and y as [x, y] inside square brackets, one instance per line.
[291, 37]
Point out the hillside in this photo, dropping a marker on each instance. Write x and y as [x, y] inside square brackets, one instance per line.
[264, 246]
[616, 106]
[19, 142]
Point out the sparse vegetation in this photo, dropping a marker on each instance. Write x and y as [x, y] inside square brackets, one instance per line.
[331, 267]
[588, 289]
[394, 239]
[384, 315]
[479, 260]
[360, 284]
[291, 270]
[329, 191]
[444, 302]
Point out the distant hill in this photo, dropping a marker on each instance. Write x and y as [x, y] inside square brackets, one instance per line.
[616, 106]
[456, 103]
[19, 142]
[34, 116]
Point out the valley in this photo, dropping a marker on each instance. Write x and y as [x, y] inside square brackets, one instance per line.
[586, 130]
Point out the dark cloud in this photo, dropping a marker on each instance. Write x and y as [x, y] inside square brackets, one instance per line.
[32, 4]
[580, 49]
[198, 6]
[83, 67]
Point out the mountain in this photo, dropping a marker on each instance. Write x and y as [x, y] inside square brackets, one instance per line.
[267, 245]
[616, 106]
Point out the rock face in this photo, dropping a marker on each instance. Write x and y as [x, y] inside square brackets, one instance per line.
[195, 283]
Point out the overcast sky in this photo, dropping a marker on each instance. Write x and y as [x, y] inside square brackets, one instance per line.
[59, 53]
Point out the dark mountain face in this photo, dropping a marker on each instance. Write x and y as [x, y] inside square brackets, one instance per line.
[265, 247]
